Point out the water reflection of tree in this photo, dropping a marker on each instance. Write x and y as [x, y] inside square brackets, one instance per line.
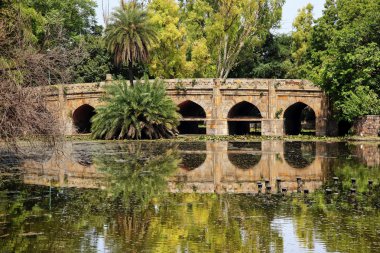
[215, 223]
[136, 180]
[134, 176]
[335, 225]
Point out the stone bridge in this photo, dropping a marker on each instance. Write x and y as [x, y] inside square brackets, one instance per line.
[271, 107]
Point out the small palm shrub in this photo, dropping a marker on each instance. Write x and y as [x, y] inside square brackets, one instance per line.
[134, 112]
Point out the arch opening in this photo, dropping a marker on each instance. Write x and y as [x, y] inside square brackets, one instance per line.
[299, 118]
[193, 118]
[244, 119]
[344, 127]
[82, 118]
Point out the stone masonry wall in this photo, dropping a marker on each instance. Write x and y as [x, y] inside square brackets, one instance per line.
[367, 126]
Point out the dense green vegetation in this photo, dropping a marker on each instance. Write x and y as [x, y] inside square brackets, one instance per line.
[344, 55]
[135, 112]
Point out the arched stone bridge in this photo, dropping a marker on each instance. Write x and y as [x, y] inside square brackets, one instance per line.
[236, 106]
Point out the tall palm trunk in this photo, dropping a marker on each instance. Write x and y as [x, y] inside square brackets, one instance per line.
[130, 72]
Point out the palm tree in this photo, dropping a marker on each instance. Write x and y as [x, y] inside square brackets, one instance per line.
[135, 112]
[129, 35]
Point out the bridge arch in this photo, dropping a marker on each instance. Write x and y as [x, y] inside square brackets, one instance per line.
[82, 118]
[193, 118]
[299, 118]
[244, 118]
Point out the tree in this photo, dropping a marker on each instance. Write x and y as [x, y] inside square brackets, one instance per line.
[169, 52]
[95, 61]
[135, 112]
[40, 43]
[229, 25]
[344, 50]
[271, 60]
[361, 101]
[129, 35]
[303, 25]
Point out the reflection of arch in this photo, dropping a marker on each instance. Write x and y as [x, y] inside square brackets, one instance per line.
[82, 118]
[193, 116]
[243, 154]
[243, 119]
[192, 154]
[299, 154]
[192, 161]
[299, 118]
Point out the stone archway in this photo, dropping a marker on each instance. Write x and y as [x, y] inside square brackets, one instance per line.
[299, 118]
[82, 118]
[244, 118]
[193, 118]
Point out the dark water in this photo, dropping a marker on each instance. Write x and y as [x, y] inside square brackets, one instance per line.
[192, 197]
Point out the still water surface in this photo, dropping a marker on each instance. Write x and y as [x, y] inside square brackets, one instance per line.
[192, 197]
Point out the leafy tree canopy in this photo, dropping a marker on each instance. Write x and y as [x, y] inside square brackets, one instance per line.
[360, 101]
[344, 52]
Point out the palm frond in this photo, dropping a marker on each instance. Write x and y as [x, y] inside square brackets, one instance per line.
[134, 112]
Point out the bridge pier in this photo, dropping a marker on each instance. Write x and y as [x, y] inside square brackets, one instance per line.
[272, 127]
[217, 127]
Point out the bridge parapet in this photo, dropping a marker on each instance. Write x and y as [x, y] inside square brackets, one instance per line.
[202, 83]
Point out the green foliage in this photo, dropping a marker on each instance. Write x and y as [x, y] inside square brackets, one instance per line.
[361, 101]
[345, 52]
[95, 63]
[271, 60]
[135, 112]
[217, 31]
[41, 42]
[47, 22]
[278, 113]
[303, 25]
[169, 52]
[129, 35]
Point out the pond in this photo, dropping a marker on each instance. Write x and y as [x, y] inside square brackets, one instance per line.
[264, 196]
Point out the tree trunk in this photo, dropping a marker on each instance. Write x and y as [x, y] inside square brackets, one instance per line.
[130, 73]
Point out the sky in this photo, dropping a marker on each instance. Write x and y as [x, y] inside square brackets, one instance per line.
[289, 11]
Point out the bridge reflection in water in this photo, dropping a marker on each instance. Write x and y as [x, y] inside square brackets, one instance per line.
[205, 167]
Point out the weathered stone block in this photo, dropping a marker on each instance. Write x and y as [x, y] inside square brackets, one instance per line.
[367, 126]
[272, 127]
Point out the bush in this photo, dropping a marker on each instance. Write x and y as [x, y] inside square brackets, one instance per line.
[362, 101]
[134, 112]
